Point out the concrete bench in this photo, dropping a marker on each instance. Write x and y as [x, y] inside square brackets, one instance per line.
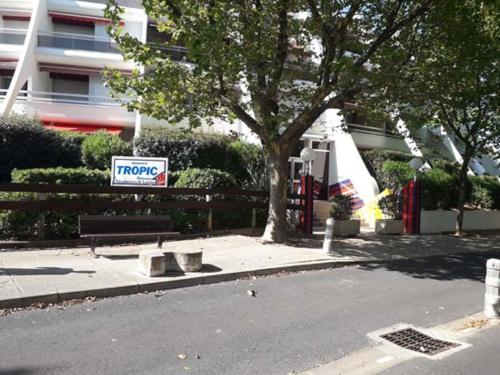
[158, 263]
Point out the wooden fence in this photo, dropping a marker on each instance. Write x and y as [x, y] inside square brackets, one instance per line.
[44, 200]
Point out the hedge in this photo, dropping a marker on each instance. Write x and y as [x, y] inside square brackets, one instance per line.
[374, 160]
[26, 143]
[221, 219]
[23, 225]
[100, 147]
[61, 176]
[484, 193]
[440, 186]
[196, 150]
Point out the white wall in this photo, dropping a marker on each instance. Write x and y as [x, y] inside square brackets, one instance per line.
[441, 221]
[345, 159]
[40, 81]
[96, 87]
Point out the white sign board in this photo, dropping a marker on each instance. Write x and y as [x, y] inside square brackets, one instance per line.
[132, 171]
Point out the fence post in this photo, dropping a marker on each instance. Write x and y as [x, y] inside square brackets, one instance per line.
[41, 218]
[307, 189]
[254, 214]
[210, 214]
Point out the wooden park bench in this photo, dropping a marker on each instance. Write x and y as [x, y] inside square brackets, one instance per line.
[96, 227]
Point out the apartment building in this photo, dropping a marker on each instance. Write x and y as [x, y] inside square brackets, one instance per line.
[52, 53]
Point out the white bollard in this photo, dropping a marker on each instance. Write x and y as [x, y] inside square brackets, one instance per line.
[492, 295]
[328, 241]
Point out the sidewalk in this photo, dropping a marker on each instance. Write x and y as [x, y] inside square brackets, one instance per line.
[51, 276]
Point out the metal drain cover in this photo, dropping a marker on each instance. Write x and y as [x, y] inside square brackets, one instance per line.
[411, 339]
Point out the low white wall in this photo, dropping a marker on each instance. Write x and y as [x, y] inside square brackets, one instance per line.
[440, 221]
[481, 220]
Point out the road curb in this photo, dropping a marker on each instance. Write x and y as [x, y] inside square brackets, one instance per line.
[148, 287]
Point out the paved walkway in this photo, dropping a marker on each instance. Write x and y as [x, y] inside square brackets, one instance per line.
[54, 275]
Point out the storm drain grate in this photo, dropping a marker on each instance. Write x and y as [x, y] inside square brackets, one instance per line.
[412, 339]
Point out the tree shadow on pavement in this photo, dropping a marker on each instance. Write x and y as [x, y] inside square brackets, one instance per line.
[387, 247]
[41, 271]
[451, 267]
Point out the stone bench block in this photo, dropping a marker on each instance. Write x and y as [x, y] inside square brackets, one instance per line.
[152, 263]
[186, 261]
[189, 261]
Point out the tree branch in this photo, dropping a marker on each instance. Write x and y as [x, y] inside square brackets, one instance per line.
[281, 51]
[391, 28]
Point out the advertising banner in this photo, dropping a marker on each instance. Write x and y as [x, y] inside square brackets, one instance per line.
[134, 171]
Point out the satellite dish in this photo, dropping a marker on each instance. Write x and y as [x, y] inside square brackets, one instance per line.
[416, 163]
[307, 154]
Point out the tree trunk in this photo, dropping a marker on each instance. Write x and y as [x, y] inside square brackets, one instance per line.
[462, 189]
[276, 228]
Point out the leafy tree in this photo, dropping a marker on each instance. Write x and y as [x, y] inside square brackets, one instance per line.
[452, 80]
[275, 65]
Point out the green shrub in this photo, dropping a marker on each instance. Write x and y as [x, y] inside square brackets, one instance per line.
[254, 162]
[485, 192]
[394, 175]
[195, 150]
[205, 178]
[61, 176]
[439, 190]
[210, 178]
[26, 143]
[341, 207]
[446, 165]
[374, 160]
[98, 148]
[390, 207]
[58, 225]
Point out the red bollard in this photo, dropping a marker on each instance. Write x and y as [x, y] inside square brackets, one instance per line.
[306, 216]
[411, 207]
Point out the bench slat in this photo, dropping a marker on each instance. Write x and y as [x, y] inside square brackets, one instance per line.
[94, 224]
[152, 234]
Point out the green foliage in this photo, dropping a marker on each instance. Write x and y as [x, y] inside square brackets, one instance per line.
[197, 150]
[60, 225]
[446, 165]
[253, 162]
[374, 160]
[439, 190]
[395, 174]
[210, 178]
[205, 178]
[61, 176]
[98, 148]
[25, 143]
[485, 193]
[341, 207]
[390, 207]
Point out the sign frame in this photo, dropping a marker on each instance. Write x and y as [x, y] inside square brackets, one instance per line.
[139, 160]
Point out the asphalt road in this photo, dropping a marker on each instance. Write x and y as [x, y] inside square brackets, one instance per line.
[293, 323]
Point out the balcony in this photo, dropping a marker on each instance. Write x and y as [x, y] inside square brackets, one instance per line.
[370, 137]
[72, 108]
[77, 42]
[12, 36]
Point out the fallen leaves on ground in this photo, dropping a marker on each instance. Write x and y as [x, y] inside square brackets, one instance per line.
[475, 323]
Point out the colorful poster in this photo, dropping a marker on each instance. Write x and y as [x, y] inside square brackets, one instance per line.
[346, 188]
